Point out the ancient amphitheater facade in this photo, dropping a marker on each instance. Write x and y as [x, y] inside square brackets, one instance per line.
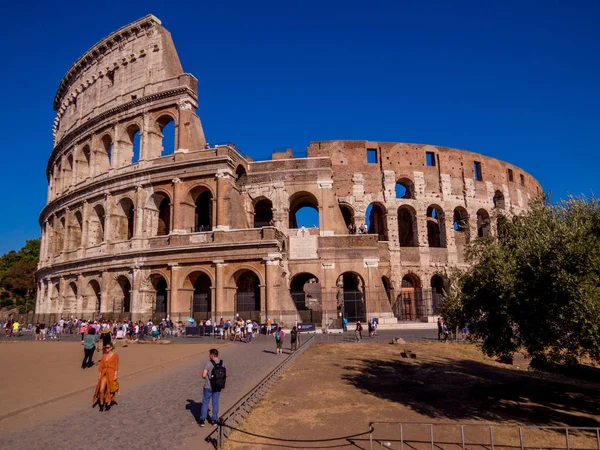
[133, 230]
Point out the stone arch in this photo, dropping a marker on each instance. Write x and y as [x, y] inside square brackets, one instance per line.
[167, 125]
[305, 291]
[436, 230]
[124, 215]
[70, 298]
[60, 234]
[201, 285]
[55, 299]
[460, 223]
[83, 163]
[483, 223]
[158, 214]
[376, 215]
[407, 226]
[70, 178]
[200, 218]
[93, 297]
[299, 201]
[263, 212]
[240, 174]
[121, 294]
[75, 230]
[131, 144]
[405, 188]
[160, 293]
[409, 304]
[105, 154]
[351, 296]
[96, 225]
[247, 295]
[438, 287]
[348, 216]
[498, 199]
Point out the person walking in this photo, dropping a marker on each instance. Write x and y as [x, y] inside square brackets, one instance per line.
[440, 329]
[37, 331]
[279, 335]
[345, 324]
[108, 371]
[249, 331]
[294, 339]
[89, 345]
[358, 331]
[215, 375]
[268, 326]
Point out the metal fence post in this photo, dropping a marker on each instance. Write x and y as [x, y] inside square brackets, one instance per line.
[462, 436]
[521, 438]
[567, 436]
[492, 437]
[371, 436]
[598, 437]
[431, 433]
[401, 437]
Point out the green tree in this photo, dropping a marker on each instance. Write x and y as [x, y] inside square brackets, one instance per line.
[537, 285]
[17, 276]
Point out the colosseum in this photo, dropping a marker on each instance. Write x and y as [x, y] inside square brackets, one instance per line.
[140, 226]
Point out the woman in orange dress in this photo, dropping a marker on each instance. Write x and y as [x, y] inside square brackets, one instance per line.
[107, 374]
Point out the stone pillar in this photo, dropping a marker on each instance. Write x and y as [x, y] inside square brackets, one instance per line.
[218, 300]
[270, 304]
[222, 200]
[104, 295]
[144, 138]
[178, 210]
[108, 219]
[85, 228]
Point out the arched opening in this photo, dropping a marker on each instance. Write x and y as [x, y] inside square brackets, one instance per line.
[483, 223]
[158, 215]
[76, 231]
[305, 291]
[247, 295]
[164, 217]
[83, 163]
[376, 221]
[134, 145]
[460, 223]
[60, 235]
[55, 297]
[498, 200]
[438, 287]
[405, 188]
[263, 213]
[96, 226]
[203, 211]
[240, 174]
[387, 287]
[352, 289]
[70, 303]
[407, 226]
[435, 227]
[122, 299]
[161, 299]
[93, 298]
[124, 219]
[104, 158]
[348, 215]
[166, 124]
[409, 304]
[304, 210]
[201, 299]
[70, 176]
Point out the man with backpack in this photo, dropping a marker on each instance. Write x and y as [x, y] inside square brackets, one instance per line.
[215, 375]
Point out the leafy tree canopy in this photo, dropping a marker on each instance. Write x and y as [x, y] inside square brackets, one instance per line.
[535, 286]
[17, 276]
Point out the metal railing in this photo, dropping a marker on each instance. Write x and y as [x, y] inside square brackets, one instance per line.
[238, 412]
[490, 444]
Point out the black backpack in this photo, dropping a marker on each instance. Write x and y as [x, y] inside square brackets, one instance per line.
[218, 376]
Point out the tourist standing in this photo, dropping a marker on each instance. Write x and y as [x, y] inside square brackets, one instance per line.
[106, 339]
[249, 331]
[89, 345]
[214, 374]
[268, 326]
[345, 324]
[279, 335]
[440, 329]
[358, 331]
[108, 371]
[43, 331]
[37, 331]
[294, 339]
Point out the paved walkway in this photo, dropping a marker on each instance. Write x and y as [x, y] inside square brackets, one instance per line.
[159, 411]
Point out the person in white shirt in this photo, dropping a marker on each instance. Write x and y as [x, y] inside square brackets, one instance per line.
[249, 332]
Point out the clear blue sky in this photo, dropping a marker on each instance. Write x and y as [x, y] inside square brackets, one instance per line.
[516, 80]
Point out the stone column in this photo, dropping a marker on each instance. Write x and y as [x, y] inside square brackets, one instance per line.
[83, 245]
[108, 219]
[222, 200]
[104, 295]
[177, 210]
[269, 304]
[218, 300]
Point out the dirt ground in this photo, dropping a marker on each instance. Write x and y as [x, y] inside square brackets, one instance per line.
[37, 374]
[336, 390]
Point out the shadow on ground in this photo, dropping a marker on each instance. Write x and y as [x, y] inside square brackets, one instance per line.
[466, 389]
[195, 408]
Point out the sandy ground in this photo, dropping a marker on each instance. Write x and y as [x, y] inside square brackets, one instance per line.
[336, 390]
[42, 379]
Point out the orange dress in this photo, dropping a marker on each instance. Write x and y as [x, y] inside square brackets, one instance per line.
[107, 368]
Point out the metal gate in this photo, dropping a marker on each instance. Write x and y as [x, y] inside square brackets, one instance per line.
[245, 306]
[201, 307]
[416, 304]
[353, 306]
